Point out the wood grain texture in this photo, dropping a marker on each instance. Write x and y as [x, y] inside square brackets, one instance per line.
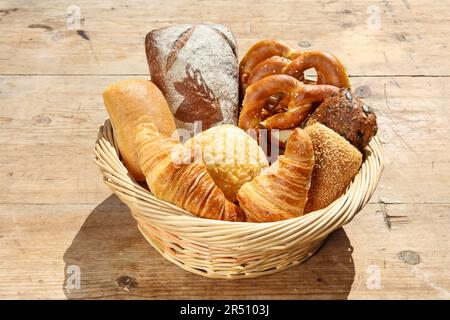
[58, 121]
[56, 212]
[103, 241]
[412, 38]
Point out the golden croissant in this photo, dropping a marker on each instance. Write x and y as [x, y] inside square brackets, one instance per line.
[173, 176]
[282, 191]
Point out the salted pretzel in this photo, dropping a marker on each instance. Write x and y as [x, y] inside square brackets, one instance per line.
[259, 52]
[328, 68]
[300, 97]
[268, 57]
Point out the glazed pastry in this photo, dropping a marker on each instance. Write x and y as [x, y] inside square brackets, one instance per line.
[336, 164]
[231, 156]
[282, 191]
[173, 176]
[196, 68]
[129, 103]
[348, 116]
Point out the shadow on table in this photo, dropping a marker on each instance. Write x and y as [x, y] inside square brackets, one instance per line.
[109, 258]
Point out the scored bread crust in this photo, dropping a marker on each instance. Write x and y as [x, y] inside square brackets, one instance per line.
[196, 68]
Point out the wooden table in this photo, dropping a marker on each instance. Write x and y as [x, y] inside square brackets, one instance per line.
[56, 213]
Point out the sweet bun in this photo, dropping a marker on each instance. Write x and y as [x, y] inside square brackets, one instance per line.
[130, 103]
[176, 178]
[336, 164]
[231, 156]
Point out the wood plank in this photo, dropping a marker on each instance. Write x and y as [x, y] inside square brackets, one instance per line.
[413, 128]
[50, 138]
[39, 243]
[412, 38]
[57, 213]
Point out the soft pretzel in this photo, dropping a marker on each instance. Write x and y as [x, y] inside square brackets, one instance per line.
[272, 65]
[300, 98]
[259, 52]
[328, 68]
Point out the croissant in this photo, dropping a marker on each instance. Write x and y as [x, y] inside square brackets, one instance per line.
[282, 191]
[173, 176]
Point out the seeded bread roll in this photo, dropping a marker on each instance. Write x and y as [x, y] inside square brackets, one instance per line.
[336, 164]
[349, 116]
[196, 68]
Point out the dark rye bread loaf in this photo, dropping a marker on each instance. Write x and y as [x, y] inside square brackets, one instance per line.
[196, 68]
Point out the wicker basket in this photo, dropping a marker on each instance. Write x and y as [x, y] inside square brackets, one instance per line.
[232, 250]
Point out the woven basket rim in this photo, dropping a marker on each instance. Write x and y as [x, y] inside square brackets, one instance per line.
[225, 249]
[374, 150]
